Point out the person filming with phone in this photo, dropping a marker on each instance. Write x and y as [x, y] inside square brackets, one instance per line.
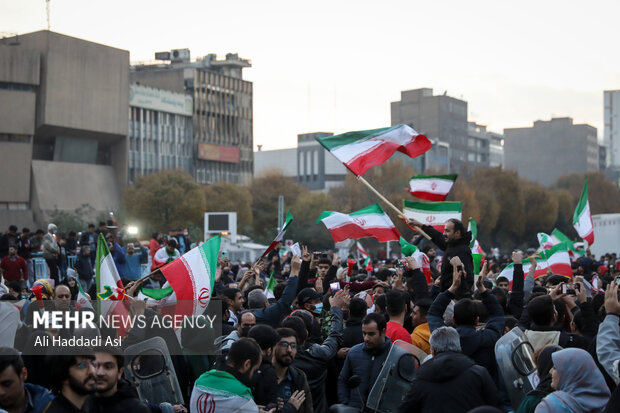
[454, 242]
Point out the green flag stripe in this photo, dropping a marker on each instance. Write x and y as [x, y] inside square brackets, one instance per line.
[372, 209]
[434, 206]
[334, 142]
[583, 200]
[157, 294]
[451, 177]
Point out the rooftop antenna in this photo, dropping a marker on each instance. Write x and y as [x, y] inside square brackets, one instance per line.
[47, 12]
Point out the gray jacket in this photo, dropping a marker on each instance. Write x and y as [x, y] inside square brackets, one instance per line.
[608, 346]
[51, 249]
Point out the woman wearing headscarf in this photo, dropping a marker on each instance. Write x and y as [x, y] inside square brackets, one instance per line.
[543, 365]
[579, 385]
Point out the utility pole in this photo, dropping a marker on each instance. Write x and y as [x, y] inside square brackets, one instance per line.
[280, 212]
[47, 11]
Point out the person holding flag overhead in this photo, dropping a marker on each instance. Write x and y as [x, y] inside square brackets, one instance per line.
[454, 242]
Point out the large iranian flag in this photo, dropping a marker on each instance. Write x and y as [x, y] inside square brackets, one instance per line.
[371, 221]
[280, 236]
[582, 219]
[361, 150]
[192, 277]
[431, 187]
[557, 258]
[433, 213]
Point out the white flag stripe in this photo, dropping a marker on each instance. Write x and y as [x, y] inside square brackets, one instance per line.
[338, 219]
[198, 270]
[348, 153]
[432, 185]
[436, 218]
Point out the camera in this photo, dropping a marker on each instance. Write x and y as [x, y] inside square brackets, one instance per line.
[568, 289]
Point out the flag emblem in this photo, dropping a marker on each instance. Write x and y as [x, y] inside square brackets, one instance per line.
[359, 221]
[430, 218]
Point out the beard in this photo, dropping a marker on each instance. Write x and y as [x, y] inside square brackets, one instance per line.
[88, 386]
[284, 360]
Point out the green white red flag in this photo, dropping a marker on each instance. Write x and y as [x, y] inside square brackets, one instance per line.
[82, 301]
[558, 237]
[361, 150]
[546, 241]
[474, 245]
[582, 219]
[433, 213]
[280, 236]
[109, 285]
[361, 251]
[192, 277]
[431, 187]
[557, 258]
[424, 262]
[270, 286]
[371, 221]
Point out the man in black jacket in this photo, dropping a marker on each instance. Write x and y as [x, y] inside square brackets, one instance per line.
[454, 242]
[450, 381]
[264, 383]
[293, 389]
[113, 394]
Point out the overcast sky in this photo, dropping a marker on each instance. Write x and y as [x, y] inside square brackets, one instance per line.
[336, 65]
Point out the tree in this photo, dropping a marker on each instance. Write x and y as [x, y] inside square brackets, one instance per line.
[461, 191]
[165, 200]
[566, 208]
[541, 210]
[225, 197]
[265, 191]
[306, 211]
[603, 195]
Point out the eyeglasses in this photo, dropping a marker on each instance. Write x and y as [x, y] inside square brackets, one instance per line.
[85, 364]
[285, 344]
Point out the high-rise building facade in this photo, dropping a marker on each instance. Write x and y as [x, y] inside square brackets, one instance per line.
[63, 126]
[440, 117]
[485, 148]
[160, 131]
[611, 134]
[549, 149]
[222, 110]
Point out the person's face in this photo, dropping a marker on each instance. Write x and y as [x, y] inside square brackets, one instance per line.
[432, 254]
[238, 302]
[85, 250]
[11, 387]
[248, 320]
[373, 338]
[107, 373]
[62, 297]
[321, 270]
[71, 282]
[12, 251]
[82, 376]
[130, 249]
[91, 229]
[449, 233]
[285, 351]
[378, 291]
[310, 305]
[504, 285]
[555, 378]
[25, 234]
[417, 317]
[24, 292]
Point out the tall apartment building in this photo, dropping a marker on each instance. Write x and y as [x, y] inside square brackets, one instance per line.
[441, 118]
[549, 149]
[160, 131]
[485, 148]
[222, 110]
[63, 126]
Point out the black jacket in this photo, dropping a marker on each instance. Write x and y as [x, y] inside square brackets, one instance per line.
[352, 333]
[299, 382]
[265, 384]
[450, 382]
[458, 248]
[124, 400]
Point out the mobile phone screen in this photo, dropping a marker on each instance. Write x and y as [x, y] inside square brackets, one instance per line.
[334, 286]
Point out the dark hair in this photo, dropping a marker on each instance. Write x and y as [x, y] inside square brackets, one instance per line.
[101, 223]
[458, 226]
[265, 336]
[481, 311]
[357, 308]
[510, 321]
[424, 304]
[25, 229]
[242, 350]
[306, 317]
[539, 289]
[113, 351]
[381, 303]
[465, 312]
[172, 243]
[58, 366]
[39, 231]
[278, 290]
[298, 326]
[501, 279]
[230, 293]
[324, 260]
[555, 279]
[224, 307]
[10, 357]
[395, 303]
[13, 228]
[499, 295]
[284, 332]
[376, 318]
[541, 310]
[578, 320]
[91, 225]
[384, 274]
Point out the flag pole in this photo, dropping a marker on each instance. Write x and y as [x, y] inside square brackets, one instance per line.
[384, 199]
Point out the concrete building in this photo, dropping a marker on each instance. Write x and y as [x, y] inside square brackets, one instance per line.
[549, 149]
[440, 117]
[63, 126]
[309, 163]
[611, 134]
[160, 131]
[485, 148]
[222, 110]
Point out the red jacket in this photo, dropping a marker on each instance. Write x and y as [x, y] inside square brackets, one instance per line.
[14, 269]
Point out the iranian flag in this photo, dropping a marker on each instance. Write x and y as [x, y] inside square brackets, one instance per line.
[280, 236]
[192, 277]
[361, 251]
[474, 245]
[109, 285]
[433, 213]
[270, 285]
[557, 258]
[361, 150]
[545, 241]
[371, 221]
[558, 237]
[424, 262]
[582, 220]
[82, 300]
[431, 187]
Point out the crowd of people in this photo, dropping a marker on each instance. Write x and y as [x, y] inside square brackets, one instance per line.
[320, 337]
